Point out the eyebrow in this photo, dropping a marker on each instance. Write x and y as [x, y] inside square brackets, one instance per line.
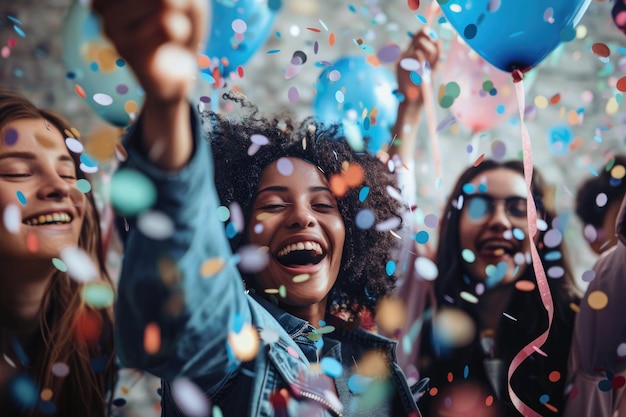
[281, 188]
[31, 156]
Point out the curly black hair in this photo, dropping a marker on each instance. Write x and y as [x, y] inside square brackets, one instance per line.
[363, 277]
[614, 188]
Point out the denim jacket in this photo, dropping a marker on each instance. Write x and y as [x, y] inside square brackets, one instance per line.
[165, 284]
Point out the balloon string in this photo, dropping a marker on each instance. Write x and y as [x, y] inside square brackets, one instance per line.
[431, 122]
[540, 275]
[429, 103]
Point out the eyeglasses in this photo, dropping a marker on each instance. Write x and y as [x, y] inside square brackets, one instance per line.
[479, 206]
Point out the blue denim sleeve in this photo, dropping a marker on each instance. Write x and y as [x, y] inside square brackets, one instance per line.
[161, 284]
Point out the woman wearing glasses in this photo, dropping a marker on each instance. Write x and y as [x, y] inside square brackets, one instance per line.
[488, 302]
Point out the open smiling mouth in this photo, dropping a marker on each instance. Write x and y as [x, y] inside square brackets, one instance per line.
[48, 219]
[497, 248]
[300, 254]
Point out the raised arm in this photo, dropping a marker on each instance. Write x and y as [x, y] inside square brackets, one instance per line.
[180, 296]
[423, 49]
[159, 39]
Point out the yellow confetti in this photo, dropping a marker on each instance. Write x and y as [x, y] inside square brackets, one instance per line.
[210, 267]
[618, 172]
[597, 300]
[301, 278]
[541, 102]
[611, 106]
[244, 344]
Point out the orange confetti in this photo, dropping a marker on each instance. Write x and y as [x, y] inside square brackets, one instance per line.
[203, 61]
[216, 76]
[331, 39]
[601, 50]
[354, 175]
[450, 377]
[88, 326]
[433, 391]
[338, 185]
[131, 106]
[621, 84]
[81, 92]
[525, 286]
[554, 376]
[489, 400]
[413, 4]
[555, 99]
[479, 160]
[316, 30]
[373, 60]
[573, 118]
[152, 338]
[32, 242]
[576, 143]
[551, 407]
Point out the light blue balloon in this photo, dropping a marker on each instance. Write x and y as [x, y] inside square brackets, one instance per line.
[513, 34]
[82, 36]
[360, 87]
[223, 46]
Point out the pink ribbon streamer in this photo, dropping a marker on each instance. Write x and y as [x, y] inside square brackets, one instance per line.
[540, 275]
[429, 102]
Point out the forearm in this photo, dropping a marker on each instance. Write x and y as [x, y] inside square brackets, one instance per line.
[167, 139]
[405, 129]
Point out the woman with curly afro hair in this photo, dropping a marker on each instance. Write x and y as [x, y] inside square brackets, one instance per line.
[362, 277]
[309, 227]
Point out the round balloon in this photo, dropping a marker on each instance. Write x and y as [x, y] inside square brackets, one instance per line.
[238, 30]
[361, 97]
[479, 95]
[100, 76]
[514, 34]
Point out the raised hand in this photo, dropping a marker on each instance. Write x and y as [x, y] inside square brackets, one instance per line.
[423, 49]
[159, 39]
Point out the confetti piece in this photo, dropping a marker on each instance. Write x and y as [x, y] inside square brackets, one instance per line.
[331, 367]
[601, 50]
[80, 266]
[597, 300]
[426, 268]
[301, 278]
[60, 370]
[554, 376]
[189, 398]
[524, 285]
[98, 294]
[152, 338]
[210, 267]
[12, 218]
[244, 344]
[155, 224]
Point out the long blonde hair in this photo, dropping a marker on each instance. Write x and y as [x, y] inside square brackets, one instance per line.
[72, 332]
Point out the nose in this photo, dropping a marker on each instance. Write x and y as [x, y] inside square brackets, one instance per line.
[53, 187]
[300, 216]
[499, 219]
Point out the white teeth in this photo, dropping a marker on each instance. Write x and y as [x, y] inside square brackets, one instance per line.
[308, 245]
[48, 218]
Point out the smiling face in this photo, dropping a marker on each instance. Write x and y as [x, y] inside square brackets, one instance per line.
[494, 228]
[295, 216]
[43, 211]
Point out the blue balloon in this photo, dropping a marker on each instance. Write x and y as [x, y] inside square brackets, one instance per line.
[361, 97]
[93, 65]
[238, 30]
[514, 34]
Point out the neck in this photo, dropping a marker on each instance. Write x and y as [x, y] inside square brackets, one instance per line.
[23, 287]
[312, 314]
